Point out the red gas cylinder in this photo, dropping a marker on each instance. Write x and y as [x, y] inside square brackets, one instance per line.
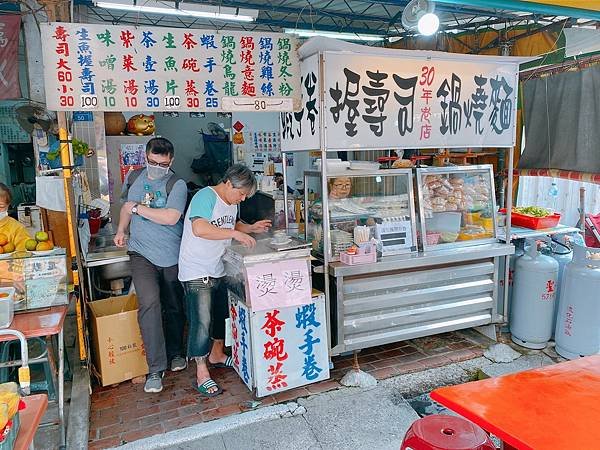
[439, 432]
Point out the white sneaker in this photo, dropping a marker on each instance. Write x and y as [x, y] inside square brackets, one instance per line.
[154, 382]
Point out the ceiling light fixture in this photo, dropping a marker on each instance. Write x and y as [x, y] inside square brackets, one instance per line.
[419, 15]
[182, 9]
[336, 35]
[428, 24]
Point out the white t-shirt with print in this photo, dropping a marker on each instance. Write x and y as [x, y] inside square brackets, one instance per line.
[199, 257]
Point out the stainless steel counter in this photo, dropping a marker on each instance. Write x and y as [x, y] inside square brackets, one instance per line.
[102, 251]
[266, 251]
[409, 296]
[422, 259]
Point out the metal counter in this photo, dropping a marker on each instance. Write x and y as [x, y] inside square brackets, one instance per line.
[414, 295]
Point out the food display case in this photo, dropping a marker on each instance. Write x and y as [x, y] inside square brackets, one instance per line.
[378, 203]
[39, 279]
[457, 206]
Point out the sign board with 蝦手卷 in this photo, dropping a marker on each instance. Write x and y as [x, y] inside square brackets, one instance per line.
[384, 99]
[125, 68]
[290, 347]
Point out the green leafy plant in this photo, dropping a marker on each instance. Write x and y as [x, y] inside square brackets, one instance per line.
[80, 148]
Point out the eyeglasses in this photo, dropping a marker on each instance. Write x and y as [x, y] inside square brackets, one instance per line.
[157, 164]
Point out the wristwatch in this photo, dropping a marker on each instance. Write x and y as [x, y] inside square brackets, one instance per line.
[134, 209]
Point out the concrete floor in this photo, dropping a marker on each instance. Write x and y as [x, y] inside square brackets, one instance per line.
[348, 418]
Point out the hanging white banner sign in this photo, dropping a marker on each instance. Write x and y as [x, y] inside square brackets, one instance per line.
[380, 102]
[125, 68]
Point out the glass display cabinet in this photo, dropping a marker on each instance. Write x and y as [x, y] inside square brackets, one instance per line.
[375, 204]
[457, 206]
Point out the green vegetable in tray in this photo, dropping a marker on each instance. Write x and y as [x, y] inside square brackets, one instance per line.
[534, 211]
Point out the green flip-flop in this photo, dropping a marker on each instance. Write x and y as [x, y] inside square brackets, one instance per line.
[209, 384]
[228, 364]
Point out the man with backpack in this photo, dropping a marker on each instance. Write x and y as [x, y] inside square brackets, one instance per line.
[154, 204]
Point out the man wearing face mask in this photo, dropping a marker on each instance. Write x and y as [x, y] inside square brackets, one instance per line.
[153, 210]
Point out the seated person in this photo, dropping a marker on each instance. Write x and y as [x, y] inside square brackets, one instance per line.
[14, 230]
[339, 187]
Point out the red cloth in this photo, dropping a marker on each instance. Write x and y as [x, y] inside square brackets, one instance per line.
[592, 230]
[10, 24]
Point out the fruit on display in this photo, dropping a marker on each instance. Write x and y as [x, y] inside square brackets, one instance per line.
[44, 246]
[3, 239]
[42, 242]
[8, 248]
[41, 236]
[31, 244]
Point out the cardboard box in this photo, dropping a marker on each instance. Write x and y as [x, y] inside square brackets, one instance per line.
[116, 339]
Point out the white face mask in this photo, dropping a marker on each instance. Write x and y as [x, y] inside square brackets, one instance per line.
[3, 214]
[156, 172]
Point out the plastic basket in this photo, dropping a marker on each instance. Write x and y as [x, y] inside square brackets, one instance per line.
[534, 223]
[353, 260]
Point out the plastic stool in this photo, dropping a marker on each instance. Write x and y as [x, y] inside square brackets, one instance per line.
[47, 384]
[439, 432]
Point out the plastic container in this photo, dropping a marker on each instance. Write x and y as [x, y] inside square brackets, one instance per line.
[353, 260]
[534, 223]
[444, 221]
[432, 238]
[487, 223]
[7, 306]
[367, 253]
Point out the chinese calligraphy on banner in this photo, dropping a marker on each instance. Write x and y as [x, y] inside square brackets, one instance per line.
[284, 283]
[290, 347]
[10, 24]
[300, 130]
[379, 102]
[241, 348]
[121, 68]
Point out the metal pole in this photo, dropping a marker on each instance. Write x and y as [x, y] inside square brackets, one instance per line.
[582, 210]
[61, 386]
[509, 199]
[285, 192]
[324, 201]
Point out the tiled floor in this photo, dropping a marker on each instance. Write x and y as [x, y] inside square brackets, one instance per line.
[124, 413]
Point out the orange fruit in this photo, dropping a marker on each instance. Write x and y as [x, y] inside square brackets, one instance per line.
[9, 248]
[3, 239]
[1, 250]
[44, 246]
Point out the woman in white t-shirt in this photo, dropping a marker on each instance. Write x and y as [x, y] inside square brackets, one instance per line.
[210, 225]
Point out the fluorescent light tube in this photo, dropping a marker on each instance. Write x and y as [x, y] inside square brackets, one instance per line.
[185, 10]
[334, 35]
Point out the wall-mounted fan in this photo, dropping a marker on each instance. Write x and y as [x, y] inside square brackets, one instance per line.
[30, 114]
[414, 11]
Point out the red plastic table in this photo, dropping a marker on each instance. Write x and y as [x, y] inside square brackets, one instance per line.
[40, 323]
[551, 408]
[30, 417]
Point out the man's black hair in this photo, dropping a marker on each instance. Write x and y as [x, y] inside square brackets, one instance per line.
[160, 146]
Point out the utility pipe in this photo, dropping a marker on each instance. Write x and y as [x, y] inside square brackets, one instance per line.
[529, 6]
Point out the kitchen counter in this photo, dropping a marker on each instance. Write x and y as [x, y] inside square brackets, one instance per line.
[102, 251]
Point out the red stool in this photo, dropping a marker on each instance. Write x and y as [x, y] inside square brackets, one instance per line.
[439, 432]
